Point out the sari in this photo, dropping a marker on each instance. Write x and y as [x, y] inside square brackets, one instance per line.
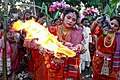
[105, 52]
[36, 64]
[8, 59]
[17, 54]
[75, 37]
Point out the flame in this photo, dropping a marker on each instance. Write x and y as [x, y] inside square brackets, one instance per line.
[45, 38]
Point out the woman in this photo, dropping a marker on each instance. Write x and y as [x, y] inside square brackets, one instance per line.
[67, 33]
[107, 55]
[41, 18]
[8, 53]
[36, 65]
[47, 66]
[16, 54]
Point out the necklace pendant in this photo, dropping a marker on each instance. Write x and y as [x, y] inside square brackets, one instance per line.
[105, 68]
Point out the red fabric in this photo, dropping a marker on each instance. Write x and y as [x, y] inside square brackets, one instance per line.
[68, 72]
[36, 65]
[102, 48]
[39, 68]
[56, 72]
[53, 30]
[97, 66]
[15, 63]
[30, 65]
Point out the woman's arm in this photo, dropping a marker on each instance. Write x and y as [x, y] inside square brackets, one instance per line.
[93, 26]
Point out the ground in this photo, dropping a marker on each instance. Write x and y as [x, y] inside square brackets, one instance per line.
[87, 74]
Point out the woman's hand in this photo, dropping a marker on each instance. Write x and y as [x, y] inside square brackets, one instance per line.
[83, 50]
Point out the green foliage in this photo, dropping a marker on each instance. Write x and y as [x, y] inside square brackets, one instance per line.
[114, 1]
[1, 16]
[110, 11]
[56, 15]
[73, 2]
[107, 9]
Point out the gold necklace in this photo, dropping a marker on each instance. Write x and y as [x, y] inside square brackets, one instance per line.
[109, 39]
[63, 35]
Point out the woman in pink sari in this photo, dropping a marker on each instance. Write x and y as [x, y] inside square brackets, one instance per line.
[48, 67]
[8, 54]
[68, 34]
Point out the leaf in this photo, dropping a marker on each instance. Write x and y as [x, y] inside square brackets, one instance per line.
[113, 12]
[56, 15]
[107, 10]
[114, 1]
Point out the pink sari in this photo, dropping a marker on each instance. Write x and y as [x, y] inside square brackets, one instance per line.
[75, 37]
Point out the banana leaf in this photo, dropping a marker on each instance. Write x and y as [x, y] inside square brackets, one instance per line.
[113, 12]
[43, 7]
[56, 15]
[107, 10]
[46, 12]
[110, 11]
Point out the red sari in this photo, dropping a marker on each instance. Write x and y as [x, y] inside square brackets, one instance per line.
[39, 69]
[98, 60]
[105, 51]
[36, 64]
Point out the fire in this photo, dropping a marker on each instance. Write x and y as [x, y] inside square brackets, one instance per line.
[45, 38]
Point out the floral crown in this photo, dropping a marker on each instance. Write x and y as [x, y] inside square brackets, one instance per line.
[58, 6]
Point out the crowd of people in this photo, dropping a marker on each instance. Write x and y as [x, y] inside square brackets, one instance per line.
[97, 46]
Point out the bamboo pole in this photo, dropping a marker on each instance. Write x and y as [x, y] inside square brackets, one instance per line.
[34, 7]
[4, 50]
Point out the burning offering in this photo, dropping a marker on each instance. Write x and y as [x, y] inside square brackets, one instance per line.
[44, 37]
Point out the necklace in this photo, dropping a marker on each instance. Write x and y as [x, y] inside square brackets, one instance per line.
[109, 39]
[63, 34]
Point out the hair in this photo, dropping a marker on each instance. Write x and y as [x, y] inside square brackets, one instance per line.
[40, 15]
[12, 20]
[116, 18]
[53, 22]
[24, 13]
[69, 10]
[84, 20]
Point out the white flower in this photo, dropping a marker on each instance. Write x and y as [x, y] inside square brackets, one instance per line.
[21, 78]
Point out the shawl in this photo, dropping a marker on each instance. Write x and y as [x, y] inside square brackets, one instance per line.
[116, 56]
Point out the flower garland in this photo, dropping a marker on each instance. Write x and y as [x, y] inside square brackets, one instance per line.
[58, 6]
[91, 12]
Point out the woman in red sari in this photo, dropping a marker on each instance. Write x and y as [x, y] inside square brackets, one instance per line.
[67, 33]
[47, 66]
[106, 59]
[36, 64]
